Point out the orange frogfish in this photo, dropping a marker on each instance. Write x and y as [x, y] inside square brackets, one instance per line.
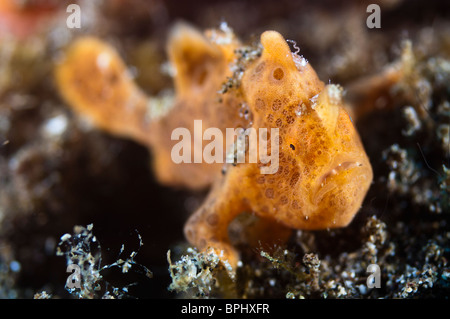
[322, 173]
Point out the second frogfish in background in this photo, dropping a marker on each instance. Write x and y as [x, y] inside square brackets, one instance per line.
[323, 173]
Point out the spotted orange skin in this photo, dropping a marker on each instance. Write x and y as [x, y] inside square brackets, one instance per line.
[323, 174]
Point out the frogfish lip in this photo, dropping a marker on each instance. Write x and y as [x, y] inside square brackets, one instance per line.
[350, 175]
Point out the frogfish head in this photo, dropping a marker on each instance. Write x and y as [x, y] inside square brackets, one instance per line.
[322, 161]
